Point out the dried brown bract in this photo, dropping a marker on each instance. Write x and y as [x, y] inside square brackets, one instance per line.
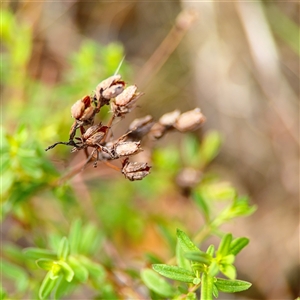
[100, 138]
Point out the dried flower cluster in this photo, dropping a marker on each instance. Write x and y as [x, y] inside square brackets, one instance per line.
[112, 91]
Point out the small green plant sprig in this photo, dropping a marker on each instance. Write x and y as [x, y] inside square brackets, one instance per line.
[199, 270]
[71, 264]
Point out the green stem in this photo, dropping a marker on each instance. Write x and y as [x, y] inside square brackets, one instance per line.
[206, 287]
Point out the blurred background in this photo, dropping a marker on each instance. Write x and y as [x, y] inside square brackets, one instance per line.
[238, 61]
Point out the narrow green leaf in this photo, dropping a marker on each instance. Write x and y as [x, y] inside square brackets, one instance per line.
[202, 203]
[174, 272]
[207, 283]
[210, 146]
[211, 250]
[213, 269]
[229, 271]
[80, 272]
[95, 269]
[46, 286]
[63, 288]
[37, 253]
[75, 235]
[191, 296]
[67, 270]
[64, 249]
[228, 259]
[237, 245]
[16, 273]
[180, 258]
[45, 263]
[200, 257]
[185, 242]
[215, 291]
[232, 286]
[156, 283]
[224, 245]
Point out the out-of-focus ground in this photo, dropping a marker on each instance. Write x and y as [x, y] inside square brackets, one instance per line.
[239, 62]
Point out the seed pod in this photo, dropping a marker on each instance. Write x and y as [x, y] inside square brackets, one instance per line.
[113, 91]
[127, 148]
[107, 84]
[140, 127]
[97, 137]
[92, 130]
[81, 108]
[170, 118]
[140, 123]
[190, 120]
[157, 131]
[125, 101]
[135, 170]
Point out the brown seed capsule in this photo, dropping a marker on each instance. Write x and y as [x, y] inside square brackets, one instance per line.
[140, 123]
[125, 101]
[170, 118]
[190, 120]
[157, 131]
[92, 130]
[135, 170]
[140, 127]
[113, 91]
[107, 84]
[127, 148]
[79, 107]
[96, 138]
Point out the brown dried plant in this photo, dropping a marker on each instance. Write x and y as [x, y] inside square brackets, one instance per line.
[112, 91]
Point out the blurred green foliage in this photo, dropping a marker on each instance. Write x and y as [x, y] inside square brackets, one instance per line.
[54, 241]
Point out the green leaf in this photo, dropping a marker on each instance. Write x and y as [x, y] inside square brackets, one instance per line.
[210, 147]
[156, 283]
[37, 253]
[200, 257]
[80, 272]
[191, 296]
[213, 269]
[174, 272]
[228, 259]
[16, 273]
[95, 270]
[232, 286]
[64, 249]
[207, 283]
[63, 288]
[47, 286]
[229, 271]
[224, 245]
[215, 291]
[211, 250]
[237, 245]
[75, 235]
[67, 270]
[185, 243]
[180, 258]
[202, 203]
[45, 263]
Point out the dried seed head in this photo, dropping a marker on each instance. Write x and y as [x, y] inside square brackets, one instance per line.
[135, 170]
[127, 148]
[190, 120]
[170, 118]
[109, 88]
[91, 130]
[113, 91]
[140, 123]
[125, 101]
[82, 109]
[140, 127]
[158, 130]
[97, 137]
